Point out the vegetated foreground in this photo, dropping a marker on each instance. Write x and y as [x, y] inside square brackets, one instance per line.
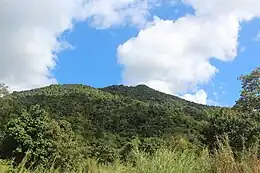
[119, 129]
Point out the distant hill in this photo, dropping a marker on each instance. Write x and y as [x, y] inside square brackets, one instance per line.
[147, 94]
[113, 116]
[121, 110]
[111, 122]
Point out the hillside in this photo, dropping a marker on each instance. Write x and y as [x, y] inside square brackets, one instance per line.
[149, 95]
[74, 122]
[126, 111]
[146, 94]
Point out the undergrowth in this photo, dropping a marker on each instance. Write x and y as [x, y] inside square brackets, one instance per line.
[190, 160]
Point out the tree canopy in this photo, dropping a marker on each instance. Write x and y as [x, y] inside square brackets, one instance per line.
[250, 94]
[3, 90]
[34, 132]
[70, 122]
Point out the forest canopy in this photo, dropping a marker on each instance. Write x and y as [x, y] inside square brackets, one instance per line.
[75, 122]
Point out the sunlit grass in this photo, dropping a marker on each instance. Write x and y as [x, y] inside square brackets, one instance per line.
[165, 161]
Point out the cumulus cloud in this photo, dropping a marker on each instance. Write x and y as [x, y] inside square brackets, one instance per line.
[30, 32]
[198, 97]
[105, 13]
[241, 9]
[176, 54]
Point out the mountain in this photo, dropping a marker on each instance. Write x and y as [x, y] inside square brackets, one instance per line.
[107, 119]
[122, 110]
[71, 122]
[146, 94]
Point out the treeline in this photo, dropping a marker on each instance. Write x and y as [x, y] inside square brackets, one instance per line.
[65, 124]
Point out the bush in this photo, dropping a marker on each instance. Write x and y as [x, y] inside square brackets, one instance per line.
[44, 138]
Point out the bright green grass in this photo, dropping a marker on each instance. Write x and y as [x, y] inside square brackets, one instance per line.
[166, 161]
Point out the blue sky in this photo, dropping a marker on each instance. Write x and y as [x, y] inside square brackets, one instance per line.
[94, 60]
[187, 48]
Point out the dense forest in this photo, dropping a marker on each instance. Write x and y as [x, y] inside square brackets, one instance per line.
[64, 125]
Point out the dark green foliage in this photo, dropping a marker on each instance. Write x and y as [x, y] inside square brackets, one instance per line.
[151, 145]
[104, 149]
[33, 131]
[93, 113]
[115, 122]
[242, 130]
[250, 95]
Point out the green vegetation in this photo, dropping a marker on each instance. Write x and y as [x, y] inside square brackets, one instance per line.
[3, 90]
[76, 128]
[164, 160]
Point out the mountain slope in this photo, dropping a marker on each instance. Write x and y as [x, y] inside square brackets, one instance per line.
[124, 111]
[149, 95]
[108, 120]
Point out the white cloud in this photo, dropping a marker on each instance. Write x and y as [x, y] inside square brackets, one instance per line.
[159, 85]
[198, 97]
[241, 9]
[178, 53]
[30, 33]
[105, 13]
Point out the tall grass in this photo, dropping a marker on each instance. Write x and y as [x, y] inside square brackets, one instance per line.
[246, 161]
[223, 160]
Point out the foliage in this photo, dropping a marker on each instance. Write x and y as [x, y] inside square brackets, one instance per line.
[3, 90]
[242, 130]
[44, 138]
[250, 95]
[118, 124]
[164, 160]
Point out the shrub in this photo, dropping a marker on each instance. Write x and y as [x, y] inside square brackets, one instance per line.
[44, 138]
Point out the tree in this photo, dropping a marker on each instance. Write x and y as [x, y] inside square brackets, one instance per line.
[3, 90]
[250, 95]
[241, 130]
[44, 138]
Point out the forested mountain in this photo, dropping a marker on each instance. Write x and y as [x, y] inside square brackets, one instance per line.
[72, 121]
[124, 111]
